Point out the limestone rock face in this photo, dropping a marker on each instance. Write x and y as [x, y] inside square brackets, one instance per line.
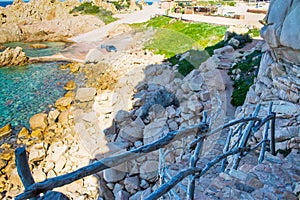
[281, 32]
[93, 56]
[42, 20]
[13, 57]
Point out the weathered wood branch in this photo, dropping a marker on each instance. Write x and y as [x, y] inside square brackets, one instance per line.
[263, 146]
[231, 123]
[245, 137]
[193, 163]
[255, 147]
[163, 189]
[23, 167]
[49, 184]
[225, 149]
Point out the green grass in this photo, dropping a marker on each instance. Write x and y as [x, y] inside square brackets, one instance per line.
[173, 37]
[189, 63]
[247, 75]
[88, 8]
[255, 32]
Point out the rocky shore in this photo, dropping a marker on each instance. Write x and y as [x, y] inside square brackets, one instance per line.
[133, 97]
[125, 104]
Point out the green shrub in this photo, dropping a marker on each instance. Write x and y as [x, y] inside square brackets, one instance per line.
[210, 49]
[231, 3]
[89, 8]
[185, 66]
[120, 6]
[86, 8]
[106, 16]
[255, 32]
[247, 75]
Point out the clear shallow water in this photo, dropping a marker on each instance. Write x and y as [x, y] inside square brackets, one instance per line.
[28, 90]
[53, 47]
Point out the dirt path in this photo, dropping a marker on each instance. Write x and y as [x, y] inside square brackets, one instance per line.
[135, 17]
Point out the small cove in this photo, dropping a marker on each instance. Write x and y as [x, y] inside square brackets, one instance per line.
[31, 89]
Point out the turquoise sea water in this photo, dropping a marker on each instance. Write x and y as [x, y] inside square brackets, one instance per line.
[5, 3]
[53, 47]
[28, 90]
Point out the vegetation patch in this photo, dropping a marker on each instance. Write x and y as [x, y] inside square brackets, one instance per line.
[243, 74]
[188, 61]
[214, 3]
[88, 8]
[242, 38]
[255, 32]
[174, 37]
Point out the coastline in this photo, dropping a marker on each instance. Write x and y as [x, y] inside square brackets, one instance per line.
[107, 116]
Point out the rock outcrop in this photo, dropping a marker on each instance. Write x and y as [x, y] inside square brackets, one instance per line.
[43, 20]
[13, 57]
[281, 31]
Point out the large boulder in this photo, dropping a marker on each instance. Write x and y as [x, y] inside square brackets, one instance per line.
[93, 56]
[119, 29]
[5, 130]
[13, 57]
[42, 20]
[85, 94]
[38, 121]
[278, 10]
[281, 31]
[63, 103]
[290, 29]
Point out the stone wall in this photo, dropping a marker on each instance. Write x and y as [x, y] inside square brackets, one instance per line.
[278, 79]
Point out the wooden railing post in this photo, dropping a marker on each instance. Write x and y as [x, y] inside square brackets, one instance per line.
[272, 142]
[23, 168]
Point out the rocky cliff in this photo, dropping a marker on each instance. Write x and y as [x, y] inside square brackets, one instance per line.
[279, 74]
[43, 20]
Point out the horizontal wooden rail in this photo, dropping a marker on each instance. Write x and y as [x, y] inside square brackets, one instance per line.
[105, 163]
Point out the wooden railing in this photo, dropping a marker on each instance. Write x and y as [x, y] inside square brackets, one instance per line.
[244, 129]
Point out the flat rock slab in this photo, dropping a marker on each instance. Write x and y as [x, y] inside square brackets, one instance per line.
[85, 94]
